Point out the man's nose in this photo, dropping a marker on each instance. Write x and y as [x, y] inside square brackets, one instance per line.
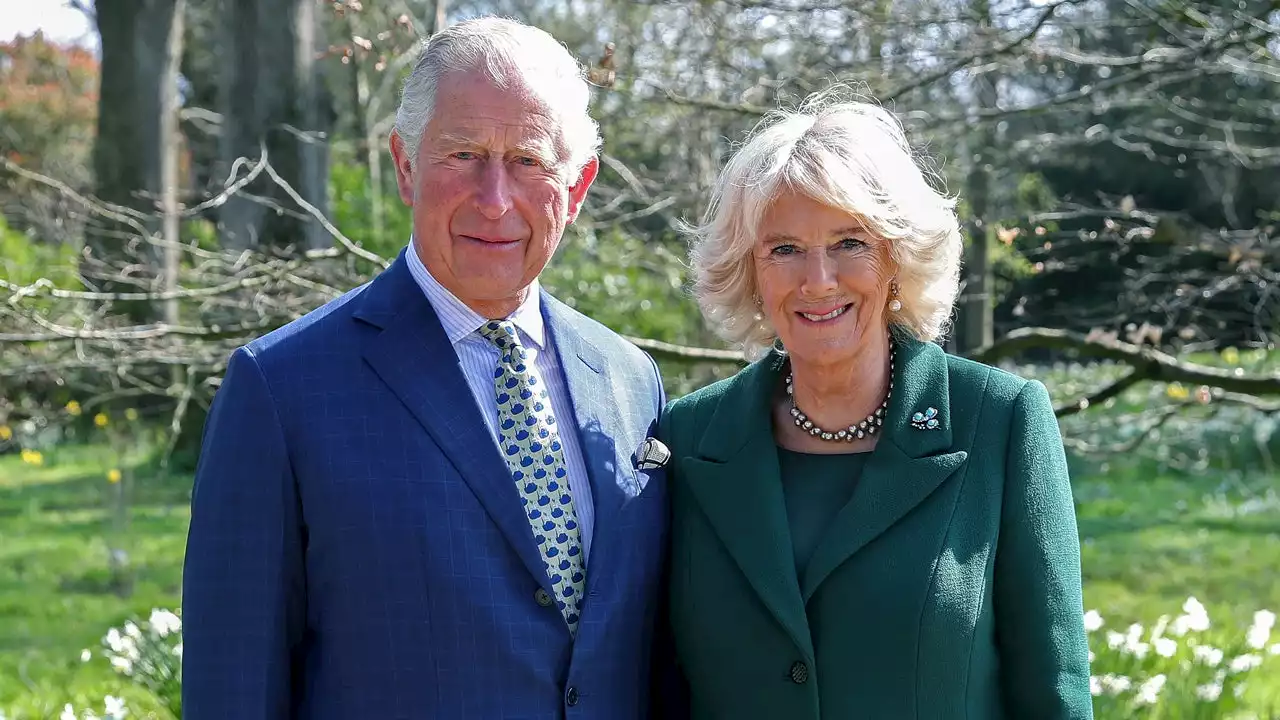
[493, 197]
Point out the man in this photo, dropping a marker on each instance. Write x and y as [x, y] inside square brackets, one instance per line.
[428, 499]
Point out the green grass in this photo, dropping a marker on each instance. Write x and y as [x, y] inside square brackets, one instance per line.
[58, 595]
[1149, 539]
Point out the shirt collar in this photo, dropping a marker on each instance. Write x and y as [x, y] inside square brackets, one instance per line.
[460, 321]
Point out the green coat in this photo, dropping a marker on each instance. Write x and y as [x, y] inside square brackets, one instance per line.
[948, 587]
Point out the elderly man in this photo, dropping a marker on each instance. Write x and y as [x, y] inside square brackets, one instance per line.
[432, 498]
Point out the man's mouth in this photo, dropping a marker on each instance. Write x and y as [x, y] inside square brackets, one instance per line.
[489, 240]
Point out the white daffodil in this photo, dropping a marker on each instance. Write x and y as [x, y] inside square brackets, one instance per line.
[1245, 663]
[1149, 691]
[1093, 621]
[164, 623]
[1260, 632]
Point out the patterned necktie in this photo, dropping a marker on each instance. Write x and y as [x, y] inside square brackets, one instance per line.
[530, 443]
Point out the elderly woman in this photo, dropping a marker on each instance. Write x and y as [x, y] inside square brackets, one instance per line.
[864, 526]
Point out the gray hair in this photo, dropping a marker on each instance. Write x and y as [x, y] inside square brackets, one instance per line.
[848, 154]
[508, 51]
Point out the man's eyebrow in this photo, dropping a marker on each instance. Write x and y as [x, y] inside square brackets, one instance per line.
[454, 140]
[543, 151]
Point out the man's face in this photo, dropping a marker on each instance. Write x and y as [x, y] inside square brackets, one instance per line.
[489, 192]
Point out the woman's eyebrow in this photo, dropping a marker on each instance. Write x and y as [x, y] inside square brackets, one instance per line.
[850, 230]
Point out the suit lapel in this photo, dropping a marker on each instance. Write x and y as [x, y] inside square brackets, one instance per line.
[414, 357]
[735, 480]
[907, 465]
[597, 423]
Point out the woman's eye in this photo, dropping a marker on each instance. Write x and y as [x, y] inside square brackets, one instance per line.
[851, 244]
[783, 250]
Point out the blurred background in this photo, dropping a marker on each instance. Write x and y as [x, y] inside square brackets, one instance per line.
[180, 176]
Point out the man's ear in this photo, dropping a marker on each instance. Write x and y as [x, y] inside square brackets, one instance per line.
[578, 191]
[404, 168]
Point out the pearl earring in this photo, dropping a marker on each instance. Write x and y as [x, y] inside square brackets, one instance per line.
[895, 304]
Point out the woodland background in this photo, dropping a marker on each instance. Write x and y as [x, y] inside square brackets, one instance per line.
[219, 167]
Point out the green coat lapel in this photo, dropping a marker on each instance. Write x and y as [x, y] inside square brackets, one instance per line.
[907, 465]
[734, 478]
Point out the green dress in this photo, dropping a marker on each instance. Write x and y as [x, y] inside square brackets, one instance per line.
[815, 487]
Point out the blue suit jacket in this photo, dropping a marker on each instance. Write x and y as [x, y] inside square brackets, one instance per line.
[358, 548]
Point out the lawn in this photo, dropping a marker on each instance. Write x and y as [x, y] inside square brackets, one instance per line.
[58, 595]
[1149, 540]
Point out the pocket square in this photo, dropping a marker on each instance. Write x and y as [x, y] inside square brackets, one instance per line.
[652, 454]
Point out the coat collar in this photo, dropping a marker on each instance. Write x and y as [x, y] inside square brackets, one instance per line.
[598, 423]
[921, 383]
[735, 478]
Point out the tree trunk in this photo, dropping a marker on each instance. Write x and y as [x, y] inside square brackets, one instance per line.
[137, 65]
[171, 149]
[273, 96]
[441, 16]
[976, 321]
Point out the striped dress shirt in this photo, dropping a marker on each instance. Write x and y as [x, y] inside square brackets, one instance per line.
[478, 358]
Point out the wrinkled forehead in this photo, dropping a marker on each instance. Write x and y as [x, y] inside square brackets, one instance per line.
[509, 103]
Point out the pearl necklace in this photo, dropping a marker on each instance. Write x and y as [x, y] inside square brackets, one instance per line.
[858, 431]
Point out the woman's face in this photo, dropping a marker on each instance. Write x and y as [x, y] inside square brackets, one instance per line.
[823, 280]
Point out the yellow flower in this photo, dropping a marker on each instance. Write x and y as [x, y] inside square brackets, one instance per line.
[100, 420]
[1177, 392]
[6, 433]
[73, 408]
[32, 457]
[131, 414]
[1231, 356]
[113, 476]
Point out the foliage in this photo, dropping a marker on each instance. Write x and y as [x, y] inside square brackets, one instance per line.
[24, 261]
[1184, 668]
[48, 103]
[149, 654]
[352, 203]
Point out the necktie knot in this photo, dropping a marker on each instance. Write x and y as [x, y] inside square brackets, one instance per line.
[501, 333]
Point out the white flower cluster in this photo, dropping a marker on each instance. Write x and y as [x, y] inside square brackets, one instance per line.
[124, 647]
[113, 709]
[1156, 655]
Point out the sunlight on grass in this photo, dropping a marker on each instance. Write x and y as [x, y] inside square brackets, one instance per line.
[1150, 538]
[58, 594]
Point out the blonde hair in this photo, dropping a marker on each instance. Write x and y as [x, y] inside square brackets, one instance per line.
[849, 154]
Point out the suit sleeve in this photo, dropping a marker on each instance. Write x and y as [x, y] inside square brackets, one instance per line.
[1038, 595]
[243, 585]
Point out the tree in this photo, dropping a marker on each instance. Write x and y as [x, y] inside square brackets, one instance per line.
[139, 67]
[48, 110]
[274, 99]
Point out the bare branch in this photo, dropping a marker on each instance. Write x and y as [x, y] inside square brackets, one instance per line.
[1148, 362]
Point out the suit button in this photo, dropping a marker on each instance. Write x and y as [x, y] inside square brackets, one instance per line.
[542, 598]
[571, 696]
[799, 673]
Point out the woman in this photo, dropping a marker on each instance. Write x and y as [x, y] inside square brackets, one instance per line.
[864, 526]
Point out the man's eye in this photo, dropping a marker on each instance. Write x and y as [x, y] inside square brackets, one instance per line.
[466, 155]
[528, 161]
